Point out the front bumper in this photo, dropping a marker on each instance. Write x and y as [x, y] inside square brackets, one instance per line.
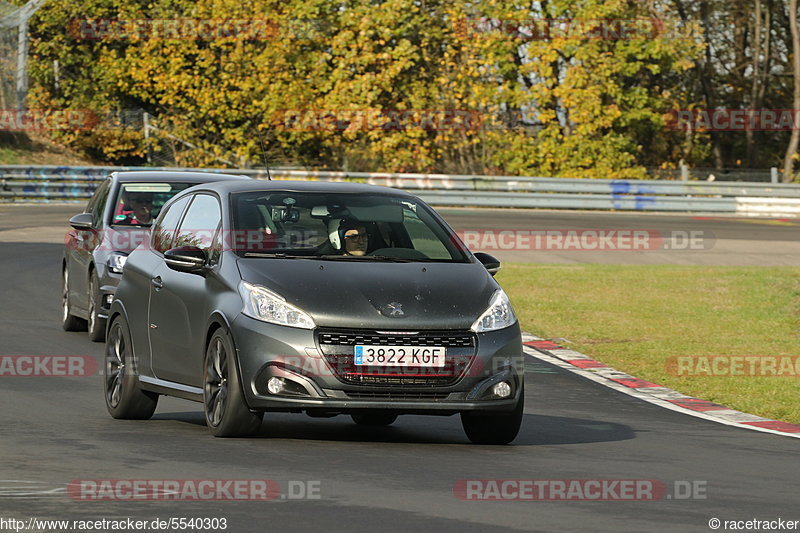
[295, 356]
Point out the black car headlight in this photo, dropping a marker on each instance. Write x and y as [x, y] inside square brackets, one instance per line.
[263, 304]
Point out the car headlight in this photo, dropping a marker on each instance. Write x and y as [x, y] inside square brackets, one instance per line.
[116, 262]
[499, 315]
[263, 304]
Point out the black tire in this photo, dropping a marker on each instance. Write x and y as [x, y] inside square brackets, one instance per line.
[374, 419]
[494, 428]
[226, 412]
[124, 398]
[68, 321]
[95, 325]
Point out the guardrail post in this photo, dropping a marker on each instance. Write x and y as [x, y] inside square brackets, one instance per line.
[684, 173]
[773, 173]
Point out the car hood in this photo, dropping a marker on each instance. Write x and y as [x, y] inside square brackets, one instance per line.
[351, 294]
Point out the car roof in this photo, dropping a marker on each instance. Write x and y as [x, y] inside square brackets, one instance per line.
[301, 186]
[160, 176]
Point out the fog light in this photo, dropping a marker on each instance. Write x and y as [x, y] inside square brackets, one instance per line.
[502, 389]
[275, 385]
[109, 299]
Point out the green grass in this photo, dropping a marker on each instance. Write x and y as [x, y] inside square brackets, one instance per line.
[634, 318]
[9, 156]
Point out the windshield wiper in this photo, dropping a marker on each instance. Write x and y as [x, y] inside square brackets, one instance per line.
[277, 255]
[386, 258]
[335, 257]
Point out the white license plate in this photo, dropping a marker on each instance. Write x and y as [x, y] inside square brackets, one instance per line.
[422, 356]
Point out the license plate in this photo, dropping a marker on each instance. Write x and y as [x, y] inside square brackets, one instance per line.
[418, 356]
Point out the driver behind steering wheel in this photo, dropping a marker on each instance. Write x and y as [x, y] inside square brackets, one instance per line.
[354, 237]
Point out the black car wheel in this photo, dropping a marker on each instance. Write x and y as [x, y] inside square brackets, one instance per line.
[96, 325]
[68, 321]
[374, 419]
[494, 428]
[227, 414]
[124, 398]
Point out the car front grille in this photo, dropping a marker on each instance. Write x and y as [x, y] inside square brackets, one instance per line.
[337, 347]
[434, 338]
[399, 395]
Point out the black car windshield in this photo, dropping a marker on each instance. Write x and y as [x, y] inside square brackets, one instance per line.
[138, 204]
[355, 227]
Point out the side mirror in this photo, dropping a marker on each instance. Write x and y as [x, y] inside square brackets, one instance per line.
[186, 259]
[492, 264]
[82, 222]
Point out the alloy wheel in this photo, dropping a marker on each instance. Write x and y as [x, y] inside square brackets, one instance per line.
[92, 305]
[216, 385]
[115, 366]
[65, 295]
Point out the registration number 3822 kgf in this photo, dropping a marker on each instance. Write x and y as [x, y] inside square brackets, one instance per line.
[428, 356]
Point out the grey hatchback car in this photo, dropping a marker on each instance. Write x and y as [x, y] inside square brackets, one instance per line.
[115, 220]
[323, 298]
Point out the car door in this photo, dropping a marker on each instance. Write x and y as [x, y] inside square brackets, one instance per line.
[161, 238]
[179, 300]
[80, 247]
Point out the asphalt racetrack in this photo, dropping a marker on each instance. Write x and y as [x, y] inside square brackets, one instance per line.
[406, 477]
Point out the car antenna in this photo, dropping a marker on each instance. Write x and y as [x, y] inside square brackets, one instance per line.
[264, 155]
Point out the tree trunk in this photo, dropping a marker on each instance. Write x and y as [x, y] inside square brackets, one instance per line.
[767, 53]
[794, 140]
[707, 83]
[755, 88]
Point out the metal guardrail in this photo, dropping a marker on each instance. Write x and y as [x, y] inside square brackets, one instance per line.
[51, 183]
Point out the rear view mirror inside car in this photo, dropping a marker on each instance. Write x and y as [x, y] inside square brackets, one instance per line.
[284, 214]
[320, 211]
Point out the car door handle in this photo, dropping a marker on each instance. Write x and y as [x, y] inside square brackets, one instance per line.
[157, 283]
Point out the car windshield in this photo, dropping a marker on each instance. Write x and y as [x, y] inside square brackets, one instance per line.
[356, 227]
[138, 204]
